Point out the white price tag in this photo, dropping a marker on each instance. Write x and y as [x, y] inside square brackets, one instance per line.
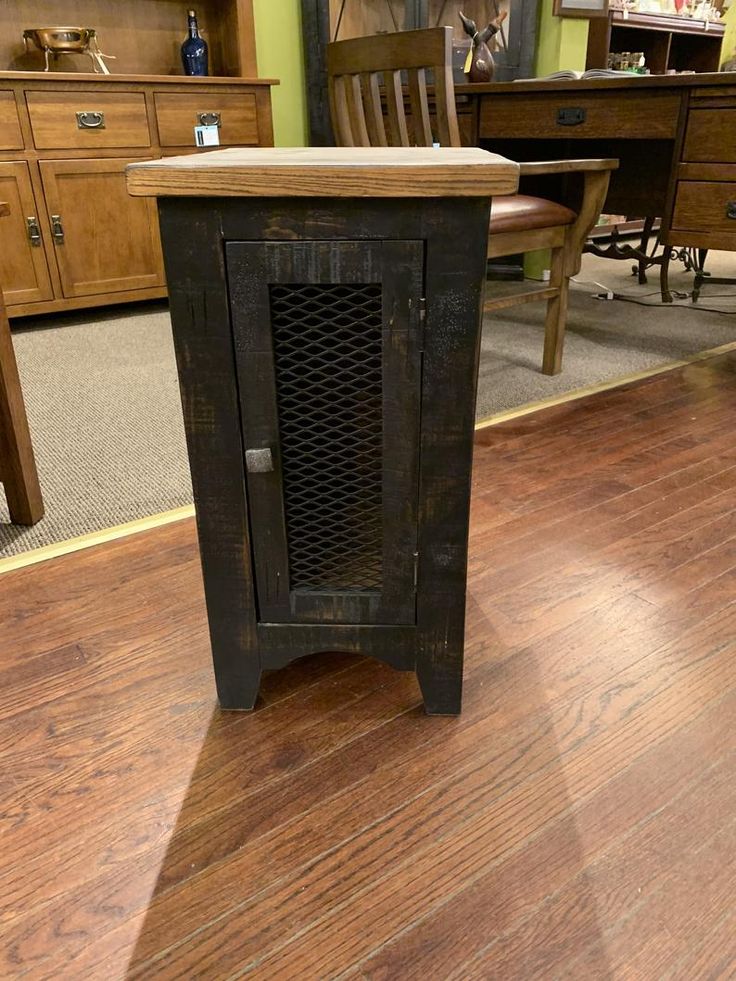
[207, 135]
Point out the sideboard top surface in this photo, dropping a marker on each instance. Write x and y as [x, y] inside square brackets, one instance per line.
[403, 172]
[92, 77]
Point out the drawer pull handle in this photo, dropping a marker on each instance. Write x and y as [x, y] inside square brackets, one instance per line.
[57, 229]
[731, 209]
[34, 232]
[91, 119]
[209, 118]
[570, 116]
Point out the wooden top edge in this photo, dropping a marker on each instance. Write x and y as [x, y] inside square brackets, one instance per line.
[328, 172]
[704, 79]
[32, 76]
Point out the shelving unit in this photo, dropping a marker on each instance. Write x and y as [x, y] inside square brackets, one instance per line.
[74, 237]
[669, 43]
[143, 35]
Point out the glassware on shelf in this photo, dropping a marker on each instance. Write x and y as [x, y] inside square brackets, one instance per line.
[194, 49]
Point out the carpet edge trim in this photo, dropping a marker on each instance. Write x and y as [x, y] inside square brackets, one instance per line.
[579, 393]
[92, 538]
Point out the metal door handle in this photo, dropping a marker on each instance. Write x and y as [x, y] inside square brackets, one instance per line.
[91, 119]
[57, 229]
[209, 118]
[34, 232]
[259, 461]
[731, 209]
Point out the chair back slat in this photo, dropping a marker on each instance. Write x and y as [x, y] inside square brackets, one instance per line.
[354, 98]
[371, 88]
[419, 107]
[354, 71]
[343, 131]
[398, 132]
[444, 89]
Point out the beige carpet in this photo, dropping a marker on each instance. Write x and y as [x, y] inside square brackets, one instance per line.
[103, 401]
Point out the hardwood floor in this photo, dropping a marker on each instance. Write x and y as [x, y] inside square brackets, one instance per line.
[577, 821]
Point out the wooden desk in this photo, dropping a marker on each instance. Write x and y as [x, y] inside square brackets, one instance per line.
[674, 135]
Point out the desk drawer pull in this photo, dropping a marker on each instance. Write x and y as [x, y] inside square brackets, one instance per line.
[209, 118]
[91, 120]
[570, 116]
[731, 209]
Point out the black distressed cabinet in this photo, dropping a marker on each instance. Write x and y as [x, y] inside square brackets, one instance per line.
[326, 309]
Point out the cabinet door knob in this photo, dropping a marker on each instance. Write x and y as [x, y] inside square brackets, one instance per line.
[259, 461]
[91, 119]
[731, 209]
[57, 229]
[34, 232]
[209, 118]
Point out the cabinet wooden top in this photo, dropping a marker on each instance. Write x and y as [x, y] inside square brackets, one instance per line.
[632, 83]
[355, 172]
[88, 78]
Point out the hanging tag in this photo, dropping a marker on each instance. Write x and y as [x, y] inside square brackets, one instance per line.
[468, 61]
[207, 135]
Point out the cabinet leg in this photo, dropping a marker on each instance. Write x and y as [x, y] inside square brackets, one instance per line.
[442, 686]
[238, 692]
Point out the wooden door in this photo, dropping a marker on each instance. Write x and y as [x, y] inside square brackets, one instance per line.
[104, 240]
[328, 351]
[24, 272]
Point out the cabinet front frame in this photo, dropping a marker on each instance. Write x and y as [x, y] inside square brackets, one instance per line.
[59, 299]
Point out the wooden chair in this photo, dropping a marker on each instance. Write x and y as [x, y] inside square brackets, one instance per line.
[366, 73]
[17, 465]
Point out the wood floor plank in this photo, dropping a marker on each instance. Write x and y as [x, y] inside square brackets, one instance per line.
[637, 822]
[573, 822]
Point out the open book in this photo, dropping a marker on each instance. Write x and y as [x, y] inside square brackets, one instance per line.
[591, 73]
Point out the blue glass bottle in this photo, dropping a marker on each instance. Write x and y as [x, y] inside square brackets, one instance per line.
[194, 49]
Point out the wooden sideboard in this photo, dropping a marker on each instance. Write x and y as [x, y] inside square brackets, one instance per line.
[74, 237]
[675, 137]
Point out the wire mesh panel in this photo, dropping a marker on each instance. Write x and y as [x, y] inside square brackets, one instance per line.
[327, 360]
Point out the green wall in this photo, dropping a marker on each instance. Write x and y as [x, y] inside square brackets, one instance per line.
[728, 50]
[563, 41]
[280, 55]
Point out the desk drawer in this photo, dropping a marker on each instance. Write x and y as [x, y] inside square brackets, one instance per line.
[178, 114]
[11, 137]
[648, 115]
[711, 136]
[88, 119]
[706, 210]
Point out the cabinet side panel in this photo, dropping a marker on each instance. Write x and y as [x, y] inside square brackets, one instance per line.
[195, 269]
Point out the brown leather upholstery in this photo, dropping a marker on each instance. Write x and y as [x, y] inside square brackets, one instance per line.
[520, 212]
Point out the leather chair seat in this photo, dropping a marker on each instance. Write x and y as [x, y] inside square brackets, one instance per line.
[521, 212]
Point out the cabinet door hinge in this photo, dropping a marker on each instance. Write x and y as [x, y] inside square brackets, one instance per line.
[416, 569]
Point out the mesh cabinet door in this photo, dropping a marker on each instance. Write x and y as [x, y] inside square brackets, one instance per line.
[328, 352]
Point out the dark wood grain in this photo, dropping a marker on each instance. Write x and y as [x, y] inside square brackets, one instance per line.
[576, 821]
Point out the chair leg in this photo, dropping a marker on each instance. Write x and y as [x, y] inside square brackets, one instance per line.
[19, 475]
[554, 327]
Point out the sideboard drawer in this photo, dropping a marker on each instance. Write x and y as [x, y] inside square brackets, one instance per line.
[575, 115]
[177, 115]
[711, 136]
[91, 119]
[706, 210]
[11, 137]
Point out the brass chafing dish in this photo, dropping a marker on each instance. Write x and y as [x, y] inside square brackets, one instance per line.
[67, 40]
